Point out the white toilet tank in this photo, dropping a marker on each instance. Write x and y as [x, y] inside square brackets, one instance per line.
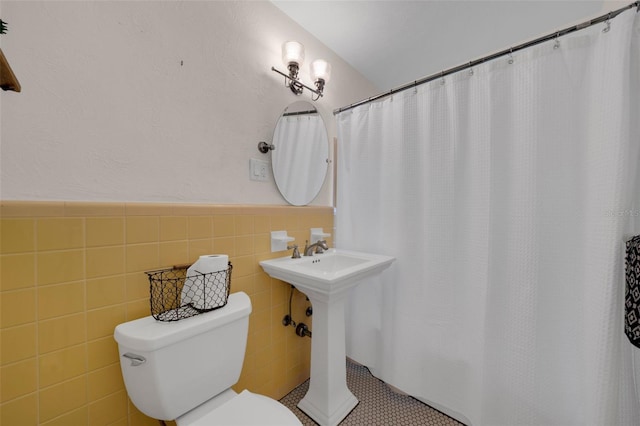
[183, 363]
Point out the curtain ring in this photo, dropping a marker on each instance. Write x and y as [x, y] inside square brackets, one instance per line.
[556, 45]
[470, 68]
[607, 23]
[441, 78]
[511, 56]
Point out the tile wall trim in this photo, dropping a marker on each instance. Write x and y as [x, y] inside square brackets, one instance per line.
[17, 208]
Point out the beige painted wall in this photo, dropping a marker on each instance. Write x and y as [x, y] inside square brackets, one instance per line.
[151, 100]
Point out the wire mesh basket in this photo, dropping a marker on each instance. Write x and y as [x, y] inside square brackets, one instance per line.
[175, 296]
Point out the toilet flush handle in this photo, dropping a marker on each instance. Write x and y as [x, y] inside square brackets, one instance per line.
[136, 360]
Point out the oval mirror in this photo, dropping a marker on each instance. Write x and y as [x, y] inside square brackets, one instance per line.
[301, 155]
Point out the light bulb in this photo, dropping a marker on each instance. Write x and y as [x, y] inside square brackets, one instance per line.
[320, 70]
[292, 51]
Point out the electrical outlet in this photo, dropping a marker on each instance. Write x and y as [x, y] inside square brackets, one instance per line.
[258, 170]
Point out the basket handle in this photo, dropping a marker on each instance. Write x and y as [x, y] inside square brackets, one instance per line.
[182, 266]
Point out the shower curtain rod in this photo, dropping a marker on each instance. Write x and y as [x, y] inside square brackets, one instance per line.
[604, 18]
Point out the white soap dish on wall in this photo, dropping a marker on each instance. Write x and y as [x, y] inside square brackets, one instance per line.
[318, 234]
[280, 240]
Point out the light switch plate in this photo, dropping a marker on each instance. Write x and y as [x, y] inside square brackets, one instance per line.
[258, 170]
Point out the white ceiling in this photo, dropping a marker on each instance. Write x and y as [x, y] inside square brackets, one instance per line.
[395, 42]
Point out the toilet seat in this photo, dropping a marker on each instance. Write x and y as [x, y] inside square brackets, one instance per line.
[245, 409]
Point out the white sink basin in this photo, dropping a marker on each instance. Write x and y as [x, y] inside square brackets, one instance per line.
[333, 271]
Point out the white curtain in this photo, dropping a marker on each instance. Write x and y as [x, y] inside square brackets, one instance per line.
[506, 195]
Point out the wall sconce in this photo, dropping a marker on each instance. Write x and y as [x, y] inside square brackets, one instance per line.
[293, 58]
[320, 73]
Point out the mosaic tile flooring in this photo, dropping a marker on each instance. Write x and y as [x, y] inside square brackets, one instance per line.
[379, 405]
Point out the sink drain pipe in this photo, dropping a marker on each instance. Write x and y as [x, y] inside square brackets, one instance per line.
[302, 329]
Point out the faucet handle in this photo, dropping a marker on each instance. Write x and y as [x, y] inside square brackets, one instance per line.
[296, 252]
[322, 246]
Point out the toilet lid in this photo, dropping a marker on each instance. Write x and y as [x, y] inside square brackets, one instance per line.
[246, 409]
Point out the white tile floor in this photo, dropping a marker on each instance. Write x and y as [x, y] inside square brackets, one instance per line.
[378, 405]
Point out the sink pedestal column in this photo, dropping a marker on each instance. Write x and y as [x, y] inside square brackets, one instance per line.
[328, 399]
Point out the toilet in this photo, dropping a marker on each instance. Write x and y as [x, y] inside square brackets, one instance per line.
[183, 370]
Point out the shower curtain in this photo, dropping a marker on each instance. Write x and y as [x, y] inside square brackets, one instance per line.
[506, 193]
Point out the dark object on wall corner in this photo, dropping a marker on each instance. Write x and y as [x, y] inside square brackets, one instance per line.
[8, 80]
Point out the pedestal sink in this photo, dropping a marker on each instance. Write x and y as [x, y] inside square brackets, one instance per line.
[326, 278]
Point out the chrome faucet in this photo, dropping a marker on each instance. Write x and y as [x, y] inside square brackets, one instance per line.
[319, 246]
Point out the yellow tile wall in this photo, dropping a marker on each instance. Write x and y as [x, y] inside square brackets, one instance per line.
[71, 271]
